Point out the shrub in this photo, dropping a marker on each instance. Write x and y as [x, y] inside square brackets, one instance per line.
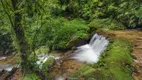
[6, 46]
[100, 24]
[32, 61]
[31, 77]
[47, 66]
[70, 30]
[56, 33]
[85, 71]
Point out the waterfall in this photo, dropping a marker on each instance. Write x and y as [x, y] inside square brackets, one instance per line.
[90, 52]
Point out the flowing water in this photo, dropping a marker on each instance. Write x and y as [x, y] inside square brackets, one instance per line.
[41, 59]
[90, 52]
[7, 67]
[86, 53]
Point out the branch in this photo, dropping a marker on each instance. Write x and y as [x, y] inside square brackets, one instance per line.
[40, 6]
[8, 5]
[7, 13]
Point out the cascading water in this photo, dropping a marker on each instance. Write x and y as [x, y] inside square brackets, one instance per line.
[90, 52]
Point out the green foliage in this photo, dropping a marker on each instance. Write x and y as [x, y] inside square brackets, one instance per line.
[50, 61]
[6, 40]
[6, 46]
[56, 33]
[85, 71]
[41, 50]
[125, 12]
[68, 31]
[139, 16]
[100, 24]
[31, 77]
[32, 62]
[47, 66]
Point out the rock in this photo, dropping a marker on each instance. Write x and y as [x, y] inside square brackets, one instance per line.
[77, 42]
[48, 64]
[46, 67]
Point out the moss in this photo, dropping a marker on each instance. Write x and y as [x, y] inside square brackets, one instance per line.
[114, 64]
[46, 67]
[49, 62]
[84, 71]
[118, 60]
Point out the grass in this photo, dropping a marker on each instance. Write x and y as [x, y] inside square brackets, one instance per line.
[114, 64]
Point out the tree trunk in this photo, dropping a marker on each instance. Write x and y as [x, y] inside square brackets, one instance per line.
[20, 35]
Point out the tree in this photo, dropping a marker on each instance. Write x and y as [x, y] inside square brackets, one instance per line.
[18, 11]
[16, 23]
[20, 35]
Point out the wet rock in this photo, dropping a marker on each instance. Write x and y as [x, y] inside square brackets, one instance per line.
[3, 58]
[46, 68]
[77, 42]
[48, 64]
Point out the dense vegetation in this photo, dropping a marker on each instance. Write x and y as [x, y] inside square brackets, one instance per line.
[46, 17]
[27, 25]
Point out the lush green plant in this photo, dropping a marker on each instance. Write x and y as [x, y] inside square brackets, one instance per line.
[139, 16]
[6, 46]
[56, 33]
[31, 77]
[125, 12]
[32, 61]
[69, 30]
[85, 71]
[100, 24]
[46, 67]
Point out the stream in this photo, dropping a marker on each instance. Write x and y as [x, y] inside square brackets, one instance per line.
[89, 53]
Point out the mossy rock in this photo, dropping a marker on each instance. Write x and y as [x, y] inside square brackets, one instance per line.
[85, 71]
[114, 64]
[46, 67]
[117, 61]
[48, 64]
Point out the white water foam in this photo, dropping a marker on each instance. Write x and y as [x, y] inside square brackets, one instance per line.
[90, 52]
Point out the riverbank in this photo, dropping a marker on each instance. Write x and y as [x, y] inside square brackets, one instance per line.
[135, 37]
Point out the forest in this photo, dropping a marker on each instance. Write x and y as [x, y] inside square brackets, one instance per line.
[70, 40]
